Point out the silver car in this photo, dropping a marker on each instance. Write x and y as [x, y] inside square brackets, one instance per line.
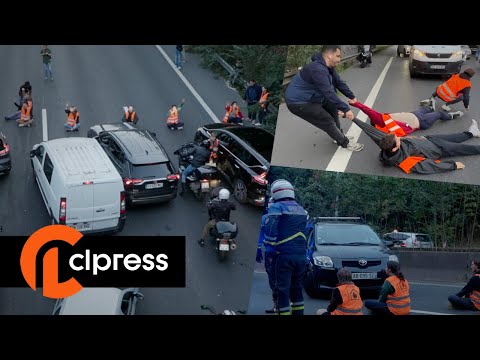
[403, 50]
[409, 240]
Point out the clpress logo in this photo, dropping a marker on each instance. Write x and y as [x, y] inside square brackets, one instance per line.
[28, 260]
[73, 261]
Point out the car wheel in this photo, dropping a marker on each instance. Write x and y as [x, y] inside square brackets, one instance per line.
[412, 74]
[240, 191]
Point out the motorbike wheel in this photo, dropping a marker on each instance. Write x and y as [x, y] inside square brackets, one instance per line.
[199, 195]
[222, 255]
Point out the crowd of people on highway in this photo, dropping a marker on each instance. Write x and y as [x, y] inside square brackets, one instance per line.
[312, 96]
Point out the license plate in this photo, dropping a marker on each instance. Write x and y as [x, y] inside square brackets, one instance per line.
[438, 66]
[361, 276]
[82, 226]
[225, 247]
[205, 185]
[154, 186]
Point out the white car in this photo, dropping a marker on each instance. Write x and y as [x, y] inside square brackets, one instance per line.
[435, 59]
[467, 51]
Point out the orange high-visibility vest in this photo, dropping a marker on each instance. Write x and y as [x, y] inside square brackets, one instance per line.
[351, 301]
[407, 164]
[448, 91]
[399, 302]
[72, 118]
[229, 111]
[132, 118]
[173, 117]
[263, 99]
[213, 153]
[26, 112]
[475, 297]
[390, 126]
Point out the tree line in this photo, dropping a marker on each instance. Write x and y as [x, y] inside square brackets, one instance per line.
[448, 212]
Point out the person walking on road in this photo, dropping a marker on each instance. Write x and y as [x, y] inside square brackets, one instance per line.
[312, 95]
[285, 225]
[346, 298]
[404, 123]
[422, 154]
[454, 90]
[178, 56]
[46, 54]
[469, 297]
[394, 297]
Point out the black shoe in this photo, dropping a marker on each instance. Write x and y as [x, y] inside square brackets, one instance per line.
[201, 242]
[182, 189]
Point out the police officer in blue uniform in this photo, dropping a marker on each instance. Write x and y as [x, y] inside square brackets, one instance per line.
[284, 236]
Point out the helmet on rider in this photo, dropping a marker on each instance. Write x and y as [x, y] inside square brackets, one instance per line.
[282, 189]
[224, 194]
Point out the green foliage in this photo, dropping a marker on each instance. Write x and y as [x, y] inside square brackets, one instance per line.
[448, 212]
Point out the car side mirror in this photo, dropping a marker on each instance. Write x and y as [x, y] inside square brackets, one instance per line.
[33, 153]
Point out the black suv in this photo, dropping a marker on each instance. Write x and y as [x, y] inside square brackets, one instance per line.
[243, 159]
[5, 160]
[336, 242]
[148, 174]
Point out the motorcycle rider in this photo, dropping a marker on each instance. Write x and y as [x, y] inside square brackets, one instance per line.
[219, 211]
[285, 225]
[201, 155]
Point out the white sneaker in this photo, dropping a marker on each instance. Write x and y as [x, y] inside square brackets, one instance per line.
[455, 114]
[473, 129]
[446, 107]
[348, 137]
[425, 102]
[356, 146]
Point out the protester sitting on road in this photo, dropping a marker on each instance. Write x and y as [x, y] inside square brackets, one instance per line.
[403, 123]
[454, 90]
[233, 114]
[25, 89]
[130, 116]
[469, 297]
[26, 104]
[73, 118]
[172, 120]
[25, 114]
[394, 297]
[422, 154]
[346, 298]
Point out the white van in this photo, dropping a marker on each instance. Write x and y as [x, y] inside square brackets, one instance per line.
[79, 184]
[99, 301]
[435, 59]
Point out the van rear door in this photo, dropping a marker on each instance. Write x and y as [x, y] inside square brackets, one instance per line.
[106, 208]
[80, 201]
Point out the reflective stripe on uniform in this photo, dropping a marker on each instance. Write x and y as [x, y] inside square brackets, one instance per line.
[350, 311]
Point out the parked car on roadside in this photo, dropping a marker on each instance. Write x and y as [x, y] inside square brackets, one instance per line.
[409, 240]
[403, 50]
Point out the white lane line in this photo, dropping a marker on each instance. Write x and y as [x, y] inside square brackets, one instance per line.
[428, 312]
[342, 156]
[188, 85]
[44, 124]
[433, 284]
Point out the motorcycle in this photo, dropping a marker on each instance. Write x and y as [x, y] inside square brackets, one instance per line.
[364, 56]
[203, 179]
[224, 234]
[5, 160]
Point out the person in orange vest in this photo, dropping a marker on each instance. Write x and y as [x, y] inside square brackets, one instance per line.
[17, 114]
[469, 297]
[172, 120]
[130, 116]
[454, 90]
[404, 123]
[422, 154]
[394, 297]
[264, 102]
[73, 118]
[214, 144]
[233, 114]
[346, 298]
[25, 114]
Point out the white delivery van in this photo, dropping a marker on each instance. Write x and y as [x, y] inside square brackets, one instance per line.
[79, 184]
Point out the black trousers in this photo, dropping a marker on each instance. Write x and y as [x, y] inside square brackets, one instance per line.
[451, 145]
[324, 117]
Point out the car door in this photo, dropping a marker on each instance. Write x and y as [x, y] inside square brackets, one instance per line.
[226, 160]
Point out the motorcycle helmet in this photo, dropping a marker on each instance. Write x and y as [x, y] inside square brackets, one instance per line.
[224, 194]
[282, 189]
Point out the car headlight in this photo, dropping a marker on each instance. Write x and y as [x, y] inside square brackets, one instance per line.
[323, 261]
[393, 258]
[418, 53]
[458, 53]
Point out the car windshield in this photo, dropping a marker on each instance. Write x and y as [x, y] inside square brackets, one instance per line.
[346, 234]
[260, 140]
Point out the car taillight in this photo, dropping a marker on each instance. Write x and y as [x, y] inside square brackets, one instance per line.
[404, 244]
[173, 177]
[62, 218]
[204, 180]
[130, 182]
[123, 207]
[260, 179]
[6, 150]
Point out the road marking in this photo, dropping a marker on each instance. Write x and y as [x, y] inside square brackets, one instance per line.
[342, 156]
[188, 85]
[428, 312]
[44, 124]
[433, 284]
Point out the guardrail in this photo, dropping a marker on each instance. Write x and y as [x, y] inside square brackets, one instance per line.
[289, 75]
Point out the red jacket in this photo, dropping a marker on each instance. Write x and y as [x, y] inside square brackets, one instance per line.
[376, 118]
